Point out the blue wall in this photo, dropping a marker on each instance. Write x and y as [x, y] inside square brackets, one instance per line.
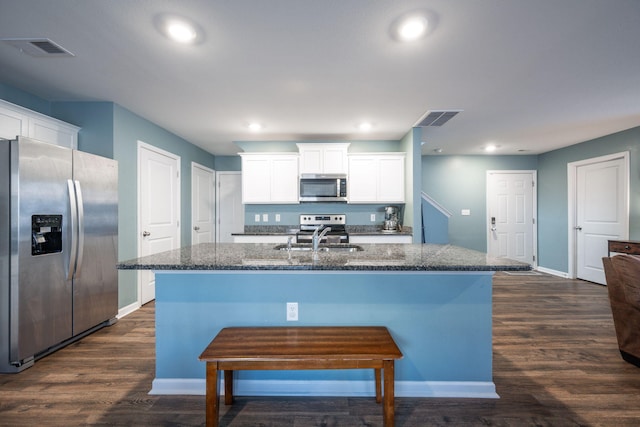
[96, 124]
[228, 163]
[459, 182]
[552, 192]
[435, 224]
[128, 129]
[411, 144]
[357, 214]
[25, 99]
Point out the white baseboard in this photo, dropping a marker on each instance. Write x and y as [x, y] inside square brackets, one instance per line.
[462, 389]
[128, 309]
[553, 272]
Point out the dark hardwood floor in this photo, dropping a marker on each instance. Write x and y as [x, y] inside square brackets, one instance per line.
[556, 363]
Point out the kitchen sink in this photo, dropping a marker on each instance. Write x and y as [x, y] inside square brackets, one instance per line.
[337, 247]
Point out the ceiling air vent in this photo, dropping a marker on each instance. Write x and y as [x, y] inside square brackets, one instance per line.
[39, 47]
[436, 118]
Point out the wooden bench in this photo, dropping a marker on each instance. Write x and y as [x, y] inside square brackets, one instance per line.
[283, 348]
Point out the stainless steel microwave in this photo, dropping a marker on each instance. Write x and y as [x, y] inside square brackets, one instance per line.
[323, 187]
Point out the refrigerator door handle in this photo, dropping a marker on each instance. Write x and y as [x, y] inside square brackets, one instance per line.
[73, 224]
[80, 244]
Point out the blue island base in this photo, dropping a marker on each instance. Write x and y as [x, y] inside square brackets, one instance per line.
[441, 321]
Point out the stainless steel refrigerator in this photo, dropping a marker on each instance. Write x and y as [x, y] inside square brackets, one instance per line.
[58, 248]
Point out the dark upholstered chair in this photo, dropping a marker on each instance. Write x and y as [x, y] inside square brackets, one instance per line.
[623, 283]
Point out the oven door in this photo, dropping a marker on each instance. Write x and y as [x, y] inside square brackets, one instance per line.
[329, 238]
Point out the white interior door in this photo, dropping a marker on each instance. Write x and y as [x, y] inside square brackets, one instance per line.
[229, 207]
[601, 213]
[511, 210]
[202, 204]
[159, 209]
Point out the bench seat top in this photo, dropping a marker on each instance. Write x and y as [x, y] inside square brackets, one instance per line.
[264, 344]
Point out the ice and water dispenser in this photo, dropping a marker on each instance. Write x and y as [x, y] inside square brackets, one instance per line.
[46, 234]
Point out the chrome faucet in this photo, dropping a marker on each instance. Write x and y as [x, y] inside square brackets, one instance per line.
[317, 237]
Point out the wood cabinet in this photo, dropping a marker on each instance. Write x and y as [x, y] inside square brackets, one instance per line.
[269, 178]
[323, 157]
[19, 121]
[376, 178]
[630, 247]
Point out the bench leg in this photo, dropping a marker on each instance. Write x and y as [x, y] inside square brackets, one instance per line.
[228, 387]
[388, 405]
[378, 385]
[213, 406]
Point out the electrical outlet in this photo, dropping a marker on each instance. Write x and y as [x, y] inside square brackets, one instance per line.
[373, 217]
[292, 312]
[256, 218]
[265, 217]
[277, 217]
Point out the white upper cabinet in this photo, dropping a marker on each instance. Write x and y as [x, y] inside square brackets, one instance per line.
[269, 178]
[19, 121]
[323, 158]
[376, 178]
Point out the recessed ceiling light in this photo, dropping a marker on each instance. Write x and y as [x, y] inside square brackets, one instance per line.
[413, 25]
[179, 29]
[255, 127]
[491, 148]
[412, 29]
[365, 126]
[181, 32]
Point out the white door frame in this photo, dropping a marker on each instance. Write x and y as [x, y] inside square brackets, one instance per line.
[213, 200]
[144, 145]
[572, 171]
[534, 208]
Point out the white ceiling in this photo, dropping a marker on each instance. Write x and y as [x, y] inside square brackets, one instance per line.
[530, 75]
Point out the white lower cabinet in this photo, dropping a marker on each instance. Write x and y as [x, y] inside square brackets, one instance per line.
[19, 121]
[376, 178]
[248, 238]
[383, 238]
[269, 178]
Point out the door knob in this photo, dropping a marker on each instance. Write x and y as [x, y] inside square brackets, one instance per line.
[578, 228]
[145, 234]
[196, 228]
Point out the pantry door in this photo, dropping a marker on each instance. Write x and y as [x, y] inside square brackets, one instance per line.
[229, 207]
[599, 211]
[511, 215]
[158, 209]
[202, 204]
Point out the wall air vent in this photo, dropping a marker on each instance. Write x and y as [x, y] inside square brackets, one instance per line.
[39, 47]
[436, 118]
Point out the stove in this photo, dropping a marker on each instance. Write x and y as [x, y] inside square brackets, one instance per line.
[310, 222]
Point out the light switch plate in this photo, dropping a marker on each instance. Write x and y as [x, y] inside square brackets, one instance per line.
[265, 217]
[465, 212]
[256, 218]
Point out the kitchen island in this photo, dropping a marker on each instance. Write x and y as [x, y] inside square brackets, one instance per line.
[434, 299]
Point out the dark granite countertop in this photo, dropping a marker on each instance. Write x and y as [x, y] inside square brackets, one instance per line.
[291, 230]
[376, 257]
